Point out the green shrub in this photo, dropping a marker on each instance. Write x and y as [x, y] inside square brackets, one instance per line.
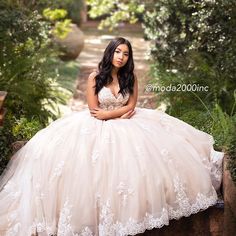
[23, 52]
[223, 129]
[194, 42]
[15, 130]
[74, 8]
[6, 139]
[33, 92]
[199, 119]
[198, 41]
[232, 154]
[221, 126]
[24, 129]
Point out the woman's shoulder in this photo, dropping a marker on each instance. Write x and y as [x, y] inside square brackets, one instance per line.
[93, 74]
[91, 79]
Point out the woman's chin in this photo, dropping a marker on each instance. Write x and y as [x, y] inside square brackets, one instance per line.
[117, 66]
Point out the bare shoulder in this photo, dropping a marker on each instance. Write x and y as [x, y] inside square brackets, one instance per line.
[91, 79]
[92, 75]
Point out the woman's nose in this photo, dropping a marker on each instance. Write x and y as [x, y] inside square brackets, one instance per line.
[121, 56]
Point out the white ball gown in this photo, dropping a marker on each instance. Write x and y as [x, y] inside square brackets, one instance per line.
[84, 176]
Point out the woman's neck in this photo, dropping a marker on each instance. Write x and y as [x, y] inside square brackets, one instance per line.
[114, 73]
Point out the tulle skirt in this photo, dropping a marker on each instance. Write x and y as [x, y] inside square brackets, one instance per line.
[84, 176]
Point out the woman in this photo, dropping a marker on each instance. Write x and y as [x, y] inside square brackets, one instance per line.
[112, 169]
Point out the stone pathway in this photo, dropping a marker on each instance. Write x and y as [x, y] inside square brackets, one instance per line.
[95, 43]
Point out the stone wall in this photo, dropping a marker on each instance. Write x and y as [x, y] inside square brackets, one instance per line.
[229, 202]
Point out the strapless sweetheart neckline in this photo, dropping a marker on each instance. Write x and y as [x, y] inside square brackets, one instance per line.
[115, 96]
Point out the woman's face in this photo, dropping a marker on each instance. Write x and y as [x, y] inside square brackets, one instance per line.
[121, 56]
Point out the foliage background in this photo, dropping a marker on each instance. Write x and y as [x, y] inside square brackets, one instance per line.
[29, 67]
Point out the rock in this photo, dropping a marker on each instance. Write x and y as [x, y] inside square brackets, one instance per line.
[72, 45]
[230, 201]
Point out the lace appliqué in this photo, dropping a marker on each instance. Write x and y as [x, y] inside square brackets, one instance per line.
[132, 226]
[185, 207]
[108, 101]
[164, 121]
[64, 226]
[10, 188]
[85, 232]
[39, 194]
[95, 156]
[106, 227]
[124, 192]
[214, 165]
[166, 157]
[40, 227]
[216, 169]
[109, 227]
[14, 231]
[58, 170]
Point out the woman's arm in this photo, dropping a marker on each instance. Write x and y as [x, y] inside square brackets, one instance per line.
[92, 98]
[119, 112]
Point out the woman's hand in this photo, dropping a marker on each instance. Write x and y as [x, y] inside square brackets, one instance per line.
[128, 114]
[99, 113]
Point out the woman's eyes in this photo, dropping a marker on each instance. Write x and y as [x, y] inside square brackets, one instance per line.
[126, 54]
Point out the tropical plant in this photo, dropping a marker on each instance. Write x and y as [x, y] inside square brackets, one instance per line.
[197, 40]
[115, 12]
[33, 92]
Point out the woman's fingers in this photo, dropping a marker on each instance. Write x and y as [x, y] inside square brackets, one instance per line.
[93, 111]
[128, 114]
[131, 114]
[125, 115]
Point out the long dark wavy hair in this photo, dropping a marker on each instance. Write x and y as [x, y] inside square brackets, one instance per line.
[125, 74]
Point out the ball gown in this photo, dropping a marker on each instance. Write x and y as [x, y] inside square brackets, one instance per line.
[81, 176]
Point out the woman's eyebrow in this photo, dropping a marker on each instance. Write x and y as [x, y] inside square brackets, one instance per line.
[121, 50]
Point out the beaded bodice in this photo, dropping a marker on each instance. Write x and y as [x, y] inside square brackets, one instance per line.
[108, 101]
